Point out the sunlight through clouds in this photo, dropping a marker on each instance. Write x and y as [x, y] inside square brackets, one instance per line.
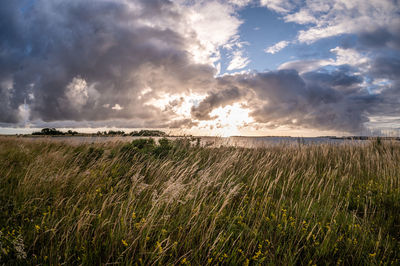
[228, 120]
[327, 66]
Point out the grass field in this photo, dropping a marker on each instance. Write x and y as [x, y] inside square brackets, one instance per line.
[176, 203]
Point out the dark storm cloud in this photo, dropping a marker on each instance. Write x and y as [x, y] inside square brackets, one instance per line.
[386, 67]
[181, 123]
[215, 100]
[337, 78]
[7, 113]
[310, 101]
[381, 37]
[325, 101]
[76, 57]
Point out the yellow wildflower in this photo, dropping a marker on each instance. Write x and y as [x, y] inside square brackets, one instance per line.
[258, 254]
[159, 247]
[305, 225]
[124, 243]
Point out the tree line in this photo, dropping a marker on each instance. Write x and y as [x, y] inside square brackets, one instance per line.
[141, 133]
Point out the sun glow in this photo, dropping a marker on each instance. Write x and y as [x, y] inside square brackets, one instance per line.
[227, 121]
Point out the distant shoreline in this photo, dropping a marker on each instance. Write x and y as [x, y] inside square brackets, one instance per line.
[190, 136]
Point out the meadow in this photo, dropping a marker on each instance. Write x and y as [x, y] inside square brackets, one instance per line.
[175, 202]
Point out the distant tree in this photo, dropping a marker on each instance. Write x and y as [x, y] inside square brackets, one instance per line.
[148, 133]
[70, 132]
[113, 133]
[49, 131]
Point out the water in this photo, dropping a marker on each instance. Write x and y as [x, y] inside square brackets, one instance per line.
[248, 142]
[258, 142]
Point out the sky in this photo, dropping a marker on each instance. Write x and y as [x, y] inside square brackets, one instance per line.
[207, 67]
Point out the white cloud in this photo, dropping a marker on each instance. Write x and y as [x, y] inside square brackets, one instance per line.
[238, 61]
[24, 113]
[214, 24]
[77, 92]
[218, 68]
[344, 17]
[334, 17]
[349, 56]
[301, 17]
[206, 26]
[240, 3]
[117, 107]
[179, 104]
[276, 47]
[343, 57]
[303, 66]
[281, 6]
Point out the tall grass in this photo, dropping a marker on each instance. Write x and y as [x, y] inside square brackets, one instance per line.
[173, 203]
